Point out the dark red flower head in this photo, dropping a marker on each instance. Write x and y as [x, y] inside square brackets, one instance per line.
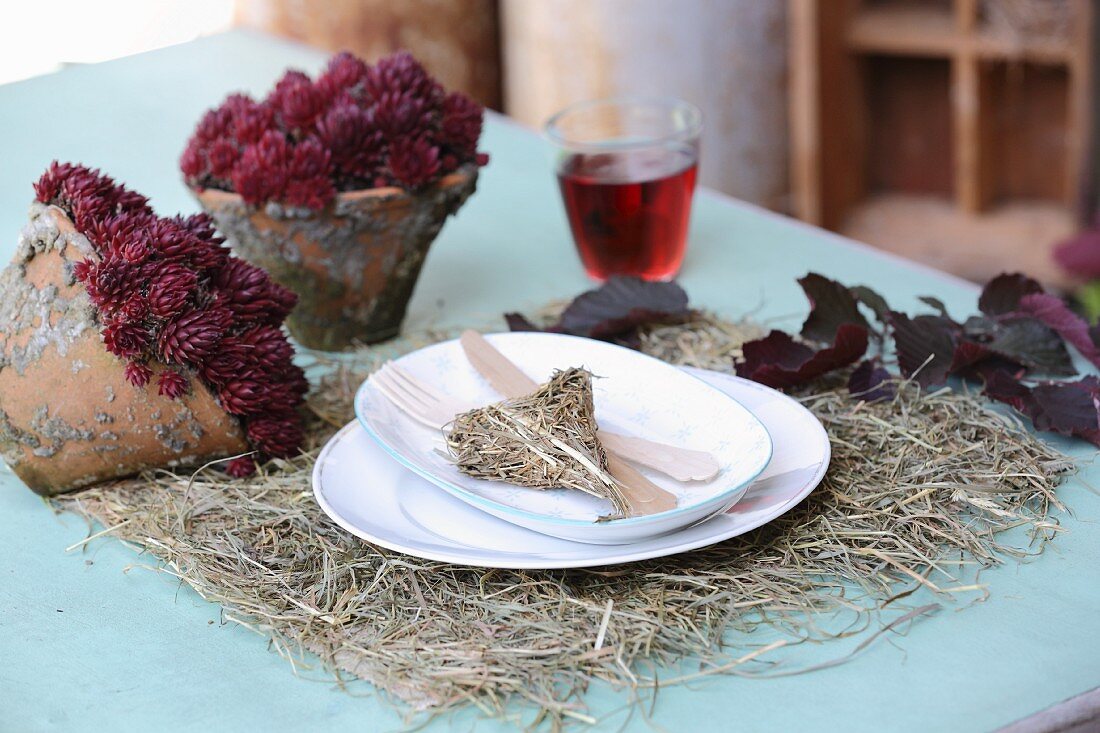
[402, 115]
[48, 187]
[247, 396]
[172, 384]
[345, 73]
[401, 72]
[201, 225]
[296, 101]
[122, 236]
[261, 173]
[190, 337]
[462, 118]
[112, 281]
[278, 434]
[266, 347]
[138, 374]
[309, 139]
[165, 289]
[251, 120]
[242, 467]
[251, 295]
[309, 183]
[217, 122]
[125, 338]
[353, 141]
[172, 289]
[414, 163]
[193, 163]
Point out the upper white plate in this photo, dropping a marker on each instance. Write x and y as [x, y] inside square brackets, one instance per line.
[372, 496]
[633, 393]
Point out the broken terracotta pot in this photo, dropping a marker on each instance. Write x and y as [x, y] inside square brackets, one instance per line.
[68, 416]
[353, 265]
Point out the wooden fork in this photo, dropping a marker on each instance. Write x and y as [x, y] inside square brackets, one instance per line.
[432, 408]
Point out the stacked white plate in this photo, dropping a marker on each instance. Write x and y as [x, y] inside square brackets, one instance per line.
[385, 478]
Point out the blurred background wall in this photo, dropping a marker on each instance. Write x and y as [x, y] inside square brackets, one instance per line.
[956, 132]
[458, 40]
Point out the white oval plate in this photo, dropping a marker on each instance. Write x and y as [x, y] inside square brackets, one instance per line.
[653, 399]
[374, 498]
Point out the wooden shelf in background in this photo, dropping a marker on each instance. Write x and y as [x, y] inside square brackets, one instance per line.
[994, 45]
[931, 31]
[903, 30]
[926, 122]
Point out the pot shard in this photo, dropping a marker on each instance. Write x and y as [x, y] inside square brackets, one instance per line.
[354, 265]
[68, 416]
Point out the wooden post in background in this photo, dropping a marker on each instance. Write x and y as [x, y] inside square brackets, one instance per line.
[457, 40]
[805, 110]
[967, 114]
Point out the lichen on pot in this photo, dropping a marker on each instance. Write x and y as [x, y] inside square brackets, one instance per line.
[130, 341]
[354, 267]
[338, 186]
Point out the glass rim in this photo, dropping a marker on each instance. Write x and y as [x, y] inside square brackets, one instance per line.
[692, 129]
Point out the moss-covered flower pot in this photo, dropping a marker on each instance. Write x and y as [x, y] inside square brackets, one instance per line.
[68, 415]
[354, 264]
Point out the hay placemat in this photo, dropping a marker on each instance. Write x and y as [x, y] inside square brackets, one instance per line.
[919, 491]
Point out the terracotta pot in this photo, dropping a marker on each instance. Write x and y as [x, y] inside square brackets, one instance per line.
[353, 265]
[68, 417]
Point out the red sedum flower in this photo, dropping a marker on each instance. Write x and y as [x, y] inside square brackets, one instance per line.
[414, 163]
[172, 289]
[125, 338]
[172, 384]
[138, 374]
[189, 338]
[277, 434]
[241, 467]
[251, 294]
[345, 74]
[165, 289]
[355, 126]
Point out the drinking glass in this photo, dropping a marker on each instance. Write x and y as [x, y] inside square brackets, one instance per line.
[626, 167]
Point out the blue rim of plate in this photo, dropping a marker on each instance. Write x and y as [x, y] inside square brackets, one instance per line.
[496, 505]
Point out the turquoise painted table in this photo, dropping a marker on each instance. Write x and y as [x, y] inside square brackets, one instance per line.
[89, 643]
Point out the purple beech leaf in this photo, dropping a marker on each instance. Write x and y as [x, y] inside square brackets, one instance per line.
[975, 360]
[967, 354]
[1080, 255]
[831, 306]
[981, 328]
[778, 361]
[869, 382]
[778, 349]
[1002, 294]
[916, 339]
[872, 300]
[1004, 387]
[1029, 342]
[1068, 408]
[519, 322]
[620, 305]
[935, 303]
[1053, 311]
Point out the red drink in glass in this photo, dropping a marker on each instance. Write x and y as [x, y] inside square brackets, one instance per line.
[627, 168]
[629, 211]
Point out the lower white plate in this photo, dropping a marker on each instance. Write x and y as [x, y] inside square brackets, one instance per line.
[368, 493]
[657, 401]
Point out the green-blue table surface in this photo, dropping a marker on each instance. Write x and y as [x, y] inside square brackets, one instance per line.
[88, 643]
